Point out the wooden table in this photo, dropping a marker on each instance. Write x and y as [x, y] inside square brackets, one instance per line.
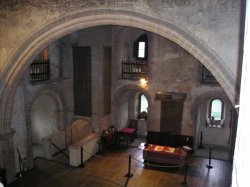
[164, 155]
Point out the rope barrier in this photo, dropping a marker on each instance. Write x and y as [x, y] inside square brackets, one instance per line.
[100, 156]
[160, 166]
[125, 158]
[108, 180]
[129, 157]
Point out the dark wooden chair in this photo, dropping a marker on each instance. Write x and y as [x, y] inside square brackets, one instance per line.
[129, 133]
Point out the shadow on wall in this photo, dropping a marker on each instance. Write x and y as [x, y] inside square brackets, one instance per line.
[43, 118]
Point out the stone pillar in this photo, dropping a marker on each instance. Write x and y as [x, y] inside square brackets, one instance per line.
[30, 161]
[7, 155]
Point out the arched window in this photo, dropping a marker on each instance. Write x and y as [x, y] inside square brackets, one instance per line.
[144, 104]
[216, 113]
[143, 107]
[141, 48]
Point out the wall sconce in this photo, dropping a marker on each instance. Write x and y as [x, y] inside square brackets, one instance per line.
[143, 81]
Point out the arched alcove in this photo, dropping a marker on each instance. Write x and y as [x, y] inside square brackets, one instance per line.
[45, 101]
[218, 137]
[124, 105]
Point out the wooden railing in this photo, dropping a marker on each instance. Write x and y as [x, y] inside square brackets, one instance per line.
[134, 69]
[40, 70]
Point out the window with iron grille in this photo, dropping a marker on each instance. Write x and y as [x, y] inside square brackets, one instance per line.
[40, 67]
[40, 70]
[207, 77]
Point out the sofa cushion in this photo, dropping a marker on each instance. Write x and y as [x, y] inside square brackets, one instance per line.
[169, 139]
[128, 130]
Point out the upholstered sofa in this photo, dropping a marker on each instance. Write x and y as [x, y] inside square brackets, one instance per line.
[83, 137]
[166, 148]
[169, 139]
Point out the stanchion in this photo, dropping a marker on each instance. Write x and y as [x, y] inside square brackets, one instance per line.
[82, 164]
[184, 182]
[210, 153]
[201, 141]
[129, 174]
[3, 176]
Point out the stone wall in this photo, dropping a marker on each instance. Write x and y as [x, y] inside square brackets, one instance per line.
[172, 69]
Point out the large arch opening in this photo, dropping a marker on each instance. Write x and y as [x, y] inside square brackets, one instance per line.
[21, 59]
[62, 26]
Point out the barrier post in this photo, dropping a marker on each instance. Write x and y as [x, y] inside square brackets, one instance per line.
[82, 164]
[184, 182]
[3, 176]
[129, 174]
[210, 153]
[201, 141]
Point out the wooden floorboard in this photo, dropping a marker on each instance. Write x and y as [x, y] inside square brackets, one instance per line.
[109, 170]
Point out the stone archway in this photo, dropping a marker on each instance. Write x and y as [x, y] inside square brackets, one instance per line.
[62, 26]
[17, 62]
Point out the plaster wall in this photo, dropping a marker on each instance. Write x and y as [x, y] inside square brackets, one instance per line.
[55, 60]
[171, 69]
[43, 118]
[123, 115]
[96, 38]
[19, 125]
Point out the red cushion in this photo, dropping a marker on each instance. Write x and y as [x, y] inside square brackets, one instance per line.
[127, 130]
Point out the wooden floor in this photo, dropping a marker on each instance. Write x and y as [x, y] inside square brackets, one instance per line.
[109, 170]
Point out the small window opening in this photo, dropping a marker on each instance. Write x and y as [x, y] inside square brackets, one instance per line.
[215, 116]
[141, 48]
[143, 107]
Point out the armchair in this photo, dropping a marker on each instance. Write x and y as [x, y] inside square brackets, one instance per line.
[129, 133]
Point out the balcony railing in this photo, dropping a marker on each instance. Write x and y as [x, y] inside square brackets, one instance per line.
[40, 70]
[134, 70]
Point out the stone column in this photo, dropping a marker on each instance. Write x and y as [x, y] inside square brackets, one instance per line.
[7, 155]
